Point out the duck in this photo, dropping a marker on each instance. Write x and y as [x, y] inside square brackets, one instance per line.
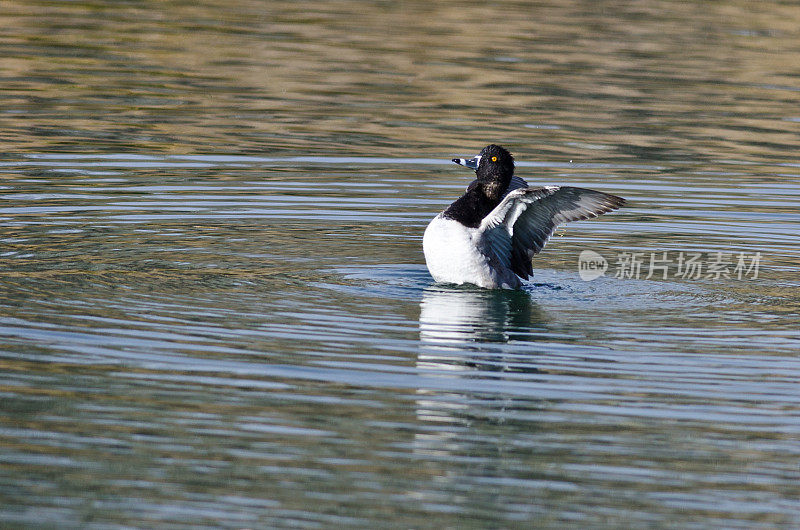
[489, 235]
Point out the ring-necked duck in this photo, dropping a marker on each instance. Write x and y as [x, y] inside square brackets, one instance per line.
[488, 236]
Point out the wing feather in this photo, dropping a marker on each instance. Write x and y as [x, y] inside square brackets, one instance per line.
[520, 226]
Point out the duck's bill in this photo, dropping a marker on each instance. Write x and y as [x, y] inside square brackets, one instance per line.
[471, 163]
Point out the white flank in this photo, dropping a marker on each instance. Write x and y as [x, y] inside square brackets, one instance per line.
[457, 254]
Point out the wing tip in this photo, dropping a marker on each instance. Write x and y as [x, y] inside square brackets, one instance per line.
[616, 201]
[609, 204]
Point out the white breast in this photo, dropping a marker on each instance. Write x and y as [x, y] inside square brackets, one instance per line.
[455, 253]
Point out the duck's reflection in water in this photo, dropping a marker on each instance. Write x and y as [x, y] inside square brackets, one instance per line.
[460, 316]
[464, 333]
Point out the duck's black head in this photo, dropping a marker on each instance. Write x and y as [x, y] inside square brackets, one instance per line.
[493, 164]
[494, 167]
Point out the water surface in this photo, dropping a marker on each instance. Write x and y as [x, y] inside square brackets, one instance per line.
[215, 310]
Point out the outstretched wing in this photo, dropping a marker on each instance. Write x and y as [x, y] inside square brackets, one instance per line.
[519, 227]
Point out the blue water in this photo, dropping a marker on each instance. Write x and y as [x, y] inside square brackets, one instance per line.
[215, 310]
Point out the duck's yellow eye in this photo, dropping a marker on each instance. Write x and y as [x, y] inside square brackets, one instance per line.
[494, 159]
